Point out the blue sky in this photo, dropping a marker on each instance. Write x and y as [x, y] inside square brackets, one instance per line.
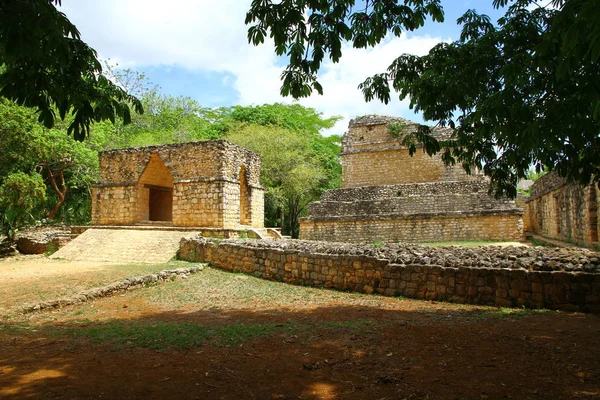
[198, 48]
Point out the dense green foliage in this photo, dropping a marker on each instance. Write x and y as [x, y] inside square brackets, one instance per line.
[33, 153]
[20, 195]
[48, 67]
[298, 163]
[291, 171]
[300, 120]
[522, 92]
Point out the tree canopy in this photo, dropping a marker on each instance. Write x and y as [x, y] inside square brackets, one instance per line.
[523, 91]
[41, 171]
[46, 66]
[290, 172]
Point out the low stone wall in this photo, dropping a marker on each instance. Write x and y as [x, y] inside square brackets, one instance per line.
[450, 274]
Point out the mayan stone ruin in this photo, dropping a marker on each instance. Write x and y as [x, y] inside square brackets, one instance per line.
[387, 195]
[563, 211]
[204, 184]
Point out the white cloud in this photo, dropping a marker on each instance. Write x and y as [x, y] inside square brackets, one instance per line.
[210, 36]
[340, 81]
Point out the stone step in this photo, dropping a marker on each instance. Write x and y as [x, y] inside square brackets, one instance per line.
[154, 223]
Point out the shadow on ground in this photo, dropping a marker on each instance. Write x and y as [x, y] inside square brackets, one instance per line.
[337, 352]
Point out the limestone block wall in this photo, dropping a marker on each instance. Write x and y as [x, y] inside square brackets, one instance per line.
[417, 190]
[405, 200]
[213, 159]
[257, 217]
[253, 210]
[564, 211]
[371, 133]
[114, 205]
[417, 277]
[447, 227]
[521, 202]
[392, 167]
[372, 157]
[205, 178]
[197, 204]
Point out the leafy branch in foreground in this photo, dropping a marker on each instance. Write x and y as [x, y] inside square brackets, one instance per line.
[48, 67]
[523, 92]
[306, 41]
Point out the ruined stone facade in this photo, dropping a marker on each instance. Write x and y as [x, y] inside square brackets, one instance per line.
[203, 184]
[388, 195]
[562, 211]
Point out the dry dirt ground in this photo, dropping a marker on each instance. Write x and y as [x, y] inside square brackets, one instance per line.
[217, 335]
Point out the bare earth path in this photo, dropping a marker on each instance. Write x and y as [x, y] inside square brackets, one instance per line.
[218, 335]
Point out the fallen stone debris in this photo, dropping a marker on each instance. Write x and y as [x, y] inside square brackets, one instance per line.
[488, 256]
[43, 239]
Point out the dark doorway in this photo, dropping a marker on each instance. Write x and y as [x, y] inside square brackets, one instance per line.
[161, 203]
[244, 198]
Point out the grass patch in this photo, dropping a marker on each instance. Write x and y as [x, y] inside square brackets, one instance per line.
[16, 328]
[184, 335]
[52, 248]
[217, 289]
[170, 335]
[351, 325]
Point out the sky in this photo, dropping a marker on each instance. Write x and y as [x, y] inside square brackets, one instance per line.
[199, 49]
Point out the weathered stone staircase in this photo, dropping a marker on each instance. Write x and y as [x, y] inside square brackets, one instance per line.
[146, 243]
[123, 246]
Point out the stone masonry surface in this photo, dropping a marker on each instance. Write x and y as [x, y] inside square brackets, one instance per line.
[562, 211]
[417, 228]
[388, 195]
[371, 156]
[562, 279]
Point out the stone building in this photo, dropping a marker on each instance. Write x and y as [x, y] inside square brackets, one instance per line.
[563, 211]
[388, 195]
[203, 184]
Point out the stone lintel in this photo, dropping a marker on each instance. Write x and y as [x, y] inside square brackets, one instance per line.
[195, 180]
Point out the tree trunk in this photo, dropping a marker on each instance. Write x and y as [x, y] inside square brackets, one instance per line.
[294, 213]
[60, 189]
